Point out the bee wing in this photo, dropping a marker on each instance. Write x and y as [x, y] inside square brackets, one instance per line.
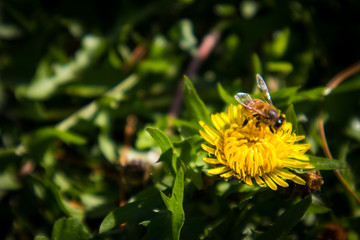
[245, 99]
[263, 88]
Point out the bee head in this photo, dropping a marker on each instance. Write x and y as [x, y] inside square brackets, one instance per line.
[280, 121]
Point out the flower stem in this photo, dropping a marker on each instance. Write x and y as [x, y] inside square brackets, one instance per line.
[327, 153]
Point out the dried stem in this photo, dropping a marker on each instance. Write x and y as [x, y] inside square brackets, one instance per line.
[327, 153]
[340, 77]
[206, 46]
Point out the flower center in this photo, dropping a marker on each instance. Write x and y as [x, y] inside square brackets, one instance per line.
[247, 150]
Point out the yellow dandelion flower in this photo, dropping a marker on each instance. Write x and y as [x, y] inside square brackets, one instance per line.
[253, 151]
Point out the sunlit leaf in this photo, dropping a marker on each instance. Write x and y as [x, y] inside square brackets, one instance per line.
[308, 95]
[195, 107]
[70, 228]
[225, 96]
[41, 237]
[133, 213]
[321, 163]
[175, 204]
[49, 133]
[108, 147]
[189, 149]
[291, 117]
[166, 146]
[120, 215]
[280, 43]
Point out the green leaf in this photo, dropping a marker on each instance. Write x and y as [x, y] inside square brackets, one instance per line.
[280, 43]
[134, 212]
[284, 93]
[120, 215]
[41, 237]
[317, 208]
[312, 95]
[278, 66]
[189, 150]
[256, 64]
[291, 117]
[225, 96]
[175, 204]
[107, 146]
[321, 163]
[287, 220]
[167, 148]
[69, 228]
[195, 107]
[159, 227]
[48, 133]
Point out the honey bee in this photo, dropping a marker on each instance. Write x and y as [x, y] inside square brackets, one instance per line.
[264, 111]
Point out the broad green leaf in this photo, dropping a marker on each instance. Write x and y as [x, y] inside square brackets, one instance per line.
[306, 95]
[287, 220]
[225, 96]
[321, 163]
[69, 228]
[167, 148]
[121, 215]
[189, 149]
[175, 204]
[195, 107]
[134, 212]
[291, 117]
[284, 93]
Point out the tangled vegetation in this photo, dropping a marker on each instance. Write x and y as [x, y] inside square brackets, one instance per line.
[100, 128]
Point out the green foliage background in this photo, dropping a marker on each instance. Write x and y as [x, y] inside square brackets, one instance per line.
[71, 73]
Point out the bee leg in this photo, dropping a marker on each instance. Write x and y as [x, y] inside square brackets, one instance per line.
[245, 122]
[271, 129]
[257, 124]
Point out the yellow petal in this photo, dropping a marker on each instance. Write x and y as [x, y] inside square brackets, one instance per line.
[207, 138]
[211, 131]
[219, 170]
[258, 180]
[248, 180]
[298, 180]
[231, 113]
[227, 174]
[278, 180]
[218, 122]
[284, 173]
[270, 183]
[211, 160]
[208, 149]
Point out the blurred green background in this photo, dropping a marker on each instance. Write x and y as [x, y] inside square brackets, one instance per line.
[80, 81]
